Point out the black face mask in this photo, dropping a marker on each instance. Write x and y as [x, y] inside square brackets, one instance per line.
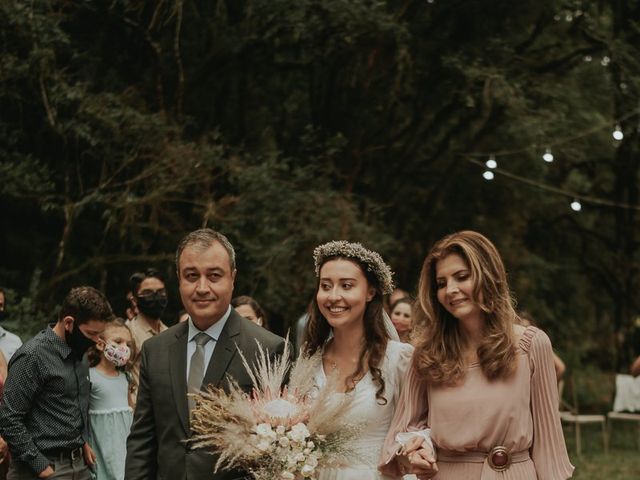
[152, 305]
[3, 315]
[78, 341]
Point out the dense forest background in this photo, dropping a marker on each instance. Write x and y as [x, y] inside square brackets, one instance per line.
[125, 124]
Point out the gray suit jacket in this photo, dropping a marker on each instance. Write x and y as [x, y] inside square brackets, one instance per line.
[156, 448]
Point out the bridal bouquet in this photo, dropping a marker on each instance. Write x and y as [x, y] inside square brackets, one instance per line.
[275, 433]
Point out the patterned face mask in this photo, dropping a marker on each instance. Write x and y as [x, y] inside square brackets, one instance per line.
[117, 354]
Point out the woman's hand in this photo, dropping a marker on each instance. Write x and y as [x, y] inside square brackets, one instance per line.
[424, 463]
[418, 458]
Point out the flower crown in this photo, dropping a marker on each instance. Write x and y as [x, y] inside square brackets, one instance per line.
[371, 260]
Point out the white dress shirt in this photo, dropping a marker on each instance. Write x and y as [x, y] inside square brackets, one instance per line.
[9, 343]
[213, 331]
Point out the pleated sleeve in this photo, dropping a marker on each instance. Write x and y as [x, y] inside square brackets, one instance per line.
[410, 415]
[548, 452]
[398, 362]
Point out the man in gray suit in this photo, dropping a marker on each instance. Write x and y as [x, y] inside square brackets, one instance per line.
[187, 357]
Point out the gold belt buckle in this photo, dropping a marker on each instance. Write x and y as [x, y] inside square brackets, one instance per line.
[499, 458]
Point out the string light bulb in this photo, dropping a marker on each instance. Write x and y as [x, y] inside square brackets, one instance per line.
[491, 163]
[617, 133]
[488, 175]
[548, 156]
[576, 206]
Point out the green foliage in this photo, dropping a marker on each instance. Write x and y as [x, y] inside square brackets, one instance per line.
[282, 213]
[620, 463]
[125, 124]
[25, 316]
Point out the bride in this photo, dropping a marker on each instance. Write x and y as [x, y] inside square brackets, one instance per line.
[348, 326]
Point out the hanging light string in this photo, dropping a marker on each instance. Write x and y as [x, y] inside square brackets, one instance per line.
[491, 165]
[548, 145]
[572, 195]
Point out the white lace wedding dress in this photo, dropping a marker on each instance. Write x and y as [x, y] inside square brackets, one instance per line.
[375, 417]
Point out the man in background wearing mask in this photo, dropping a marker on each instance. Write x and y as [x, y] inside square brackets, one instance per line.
[150, 299]
[9, 342]
[44, 412]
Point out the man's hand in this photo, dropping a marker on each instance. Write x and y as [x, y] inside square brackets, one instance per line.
[89, 455]
[47, 472]
[4, 450]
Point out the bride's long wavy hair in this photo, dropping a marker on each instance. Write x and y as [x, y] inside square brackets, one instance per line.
[439, 352]
[318, 330]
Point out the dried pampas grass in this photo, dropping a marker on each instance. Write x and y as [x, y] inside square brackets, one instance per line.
[275, 430]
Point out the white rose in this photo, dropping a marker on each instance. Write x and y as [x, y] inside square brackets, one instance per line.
[312, 461]
[284, 442]
[300, 457]
[307, 471]
[299, 432]
[264, 430]
[280, 429]
[310, 444]
[287, 476]
[264, 445]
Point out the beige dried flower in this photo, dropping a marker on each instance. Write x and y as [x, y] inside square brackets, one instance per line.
[276, 432]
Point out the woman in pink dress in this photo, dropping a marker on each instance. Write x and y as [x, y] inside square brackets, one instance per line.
[483, 385]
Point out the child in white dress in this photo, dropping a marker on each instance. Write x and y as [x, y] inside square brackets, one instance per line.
[110, 413]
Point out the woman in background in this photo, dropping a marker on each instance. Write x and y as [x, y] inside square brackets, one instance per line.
[250, 309]
[401, 317]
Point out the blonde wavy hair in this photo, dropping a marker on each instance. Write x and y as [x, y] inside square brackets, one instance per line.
[439, 353]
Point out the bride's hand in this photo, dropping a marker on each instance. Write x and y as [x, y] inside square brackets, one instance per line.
[402, 455]
[418, 458]
[424, 463]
